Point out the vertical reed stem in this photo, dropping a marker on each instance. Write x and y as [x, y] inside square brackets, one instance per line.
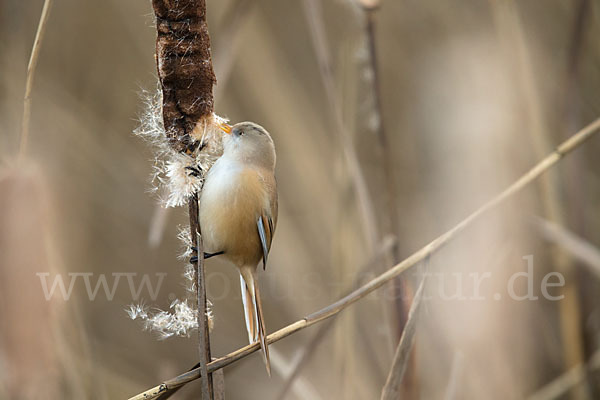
[33, 60]
[204, 338]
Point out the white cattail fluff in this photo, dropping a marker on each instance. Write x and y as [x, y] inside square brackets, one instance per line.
[179, 176]
[172, 170]
[180, 320]
[189, 271]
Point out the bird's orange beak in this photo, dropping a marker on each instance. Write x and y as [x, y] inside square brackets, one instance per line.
[225, 128]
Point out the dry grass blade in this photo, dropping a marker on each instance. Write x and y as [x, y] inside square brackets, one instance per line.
[579, 248]
[392, 388]
[33, 60]
[561, 385]
[541, 167]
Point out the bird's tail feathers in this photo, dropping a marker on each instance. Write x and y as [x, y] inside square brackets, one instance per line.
[255, 323]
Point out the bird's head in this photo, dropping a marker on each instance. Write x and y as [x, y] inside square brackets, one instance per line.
[249, 142]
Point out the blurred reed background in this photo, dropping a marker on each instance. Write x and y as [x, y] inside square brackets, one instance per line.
[472, 94]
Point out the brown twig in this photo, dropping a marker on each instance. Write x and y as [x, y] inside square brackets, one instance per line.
[186, 77]
[391, 219]
[392, 388]
[31, 68]
[385, 149]
[530, 176]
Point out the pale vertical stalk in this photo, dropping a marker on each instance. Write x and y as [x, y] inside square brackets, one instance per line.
[31, 68]
[510, 27]
[577, 192]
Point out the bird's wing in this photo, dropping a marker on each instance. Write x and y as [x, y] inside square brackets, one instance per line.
[267, 221]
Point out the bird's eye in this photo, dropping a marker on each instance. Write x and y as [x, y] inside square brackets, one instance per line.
[241, 133]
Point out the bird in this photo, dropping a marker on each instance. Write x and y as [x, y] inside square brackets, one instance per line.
[238, 214]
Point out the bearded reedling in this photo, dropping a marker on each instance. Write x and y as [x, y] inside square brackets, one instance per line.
[238, 214]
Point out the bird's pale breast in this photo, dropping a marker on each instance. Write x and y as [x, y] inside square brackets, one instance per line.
[232, 199]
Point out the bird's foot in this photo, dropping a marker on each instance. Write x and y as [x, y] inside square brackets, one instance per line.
[194, 259]
[194, 171]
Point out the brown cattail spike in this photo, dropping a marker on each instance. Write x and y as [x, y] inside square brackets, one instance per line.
[184, 68]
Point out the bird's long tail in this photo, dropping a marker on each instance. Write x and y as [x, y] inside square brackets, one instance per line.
[255, 324]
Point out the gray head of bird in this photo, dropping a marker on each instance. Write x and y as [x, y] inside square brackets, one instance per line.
[250, 143]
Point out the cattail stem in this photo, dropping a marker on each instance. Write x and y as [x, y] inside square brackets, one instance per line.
[186, 78]
[204, 338]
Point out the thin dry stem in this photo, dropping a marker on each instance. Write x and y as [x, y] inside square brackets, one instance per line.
[392, 388]
[579, 248]
[530, 176]
[31, 68]
[365, 203]
[366, 207]
[203, 331]
[385, 149]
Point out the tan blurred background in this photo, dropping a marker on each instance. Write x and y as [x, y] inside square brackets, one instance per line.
[473, 93]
